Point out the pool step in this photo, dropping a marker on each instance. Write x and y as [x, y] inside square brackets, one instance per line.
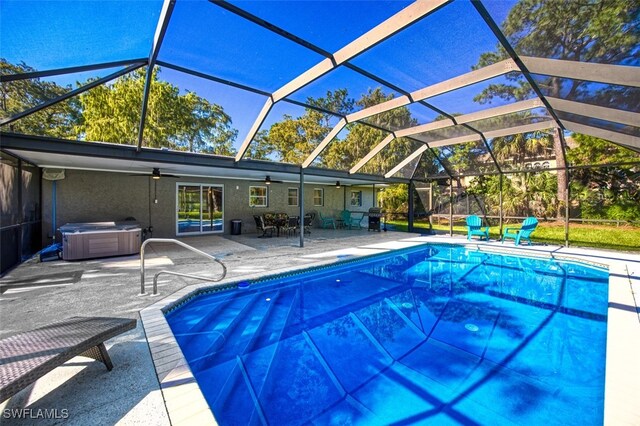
[278, 313]
[208, 331]
[226, 338]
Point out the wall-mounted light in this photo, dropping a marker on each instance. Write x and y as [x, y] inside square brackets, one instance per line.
[338, 184]
[155, 174]
[267, 180]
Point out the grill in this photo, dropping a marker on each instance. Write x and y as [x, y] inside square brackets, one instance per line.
[375, 213]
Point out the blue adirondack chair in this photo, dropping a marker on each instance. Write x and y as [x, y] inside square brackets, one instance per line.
[474, 227]
[523, 233]
[326, 221]
[351, 220]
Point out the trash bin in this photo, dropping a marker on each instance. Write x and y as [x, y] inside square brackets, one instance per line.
[236, 227]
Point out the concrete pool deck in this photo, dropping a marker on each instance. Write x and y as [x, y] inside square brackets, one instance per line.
[33, 293]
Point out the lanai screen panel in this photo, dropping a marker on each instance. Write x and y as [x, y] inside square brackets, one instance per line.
[524, 151]
[328, 26]
[469, 158]
[21, 95]
[602, 124]
[403, 117]
[613, 96]
[222, 111]
[606, 193]
[359, 91]
[392, 154]
[49, 35]
[289, 133]
[429, 167]
[206, 38]
[441, 41]
[584, 150]
[480, 96]
[506, 121]
[349, 146]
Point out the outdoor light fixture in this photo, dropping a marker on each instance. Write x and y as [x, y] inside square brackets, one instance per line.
[267, 180]
[156, 173]
[338, 184]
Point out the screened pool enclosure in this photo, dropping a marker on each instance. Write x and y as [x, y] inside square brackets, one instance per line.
[500, 108]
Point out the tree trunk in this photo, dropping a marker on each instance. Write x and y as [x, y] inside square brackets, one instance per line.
[561, 173]
[559, 154]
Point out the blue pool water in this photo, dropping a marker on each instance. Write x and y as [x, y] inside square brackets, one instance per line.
[435, 334]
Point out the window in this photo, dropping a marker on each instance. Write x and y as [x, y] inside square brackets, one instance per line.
[258, 196]
[318, 197]
[356, 198]
[292, 196]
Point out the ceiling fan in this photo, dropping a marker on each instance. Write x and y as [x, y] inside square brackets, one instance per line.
[267, 180]
[155, 174]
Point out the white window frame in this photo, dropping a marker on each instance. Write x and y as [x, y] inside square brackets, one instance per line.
[321, 197]
[266, 196]
[289, 196]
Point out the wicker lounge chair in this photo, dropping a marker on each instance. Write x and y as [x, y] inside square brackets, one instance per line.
[26, 357]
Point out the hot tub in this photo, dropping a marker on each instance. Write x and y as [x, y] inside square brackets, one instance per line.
[100, 239]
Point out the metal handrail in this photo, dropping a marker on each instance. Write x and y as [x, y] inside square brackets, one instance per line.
[180, 243]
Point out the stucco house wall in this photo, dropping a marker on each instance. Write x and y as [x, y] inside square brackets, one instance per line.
[93, 196]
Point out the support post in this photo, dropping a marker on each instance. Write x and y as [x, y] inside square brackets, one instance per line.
[344, 197]
[501, 213]
[411, 206]
[301, 203]
[566, 210]
[451, 207]
[375, 198]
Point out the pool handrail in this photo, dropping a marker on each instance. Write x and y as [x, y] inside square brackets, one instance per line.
[188, 247]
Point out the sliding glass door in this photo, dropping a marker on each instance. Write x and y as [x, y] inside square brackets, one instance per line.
[199, 208]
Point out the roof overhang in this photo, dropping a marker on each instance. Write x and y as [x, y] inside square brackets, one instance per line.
[68, 154]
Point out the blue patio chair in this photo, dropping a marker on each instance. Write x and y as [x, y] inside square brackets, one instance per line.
[356, 218]
[523, 233]
[326, 221]
[351, 220]
[474, 227]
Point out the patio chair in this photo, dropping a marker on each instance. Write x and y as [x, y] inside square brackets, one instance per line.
[351, 220]
[523, 233]
[308, 222]
[28, 356]
[260, 226]
[291, 226]
[356, 218]
[474, 227]
[326, 221]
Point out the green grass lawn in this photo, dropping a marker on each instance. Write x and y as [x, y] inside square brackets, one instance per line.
[625, 238]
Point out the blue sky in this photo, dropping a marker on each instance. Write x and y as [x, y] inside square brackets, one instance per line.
[205, 37]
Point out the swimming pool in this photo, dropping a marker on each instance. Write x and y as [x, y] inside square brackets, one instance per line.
[438, 334]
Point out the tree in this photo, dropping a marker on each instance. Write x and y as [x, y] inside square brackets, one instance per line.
[605, 31]
[111, 113]
[362, 138]
[605, 192]
[261, 147]
[292, 139]
[57, 120]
